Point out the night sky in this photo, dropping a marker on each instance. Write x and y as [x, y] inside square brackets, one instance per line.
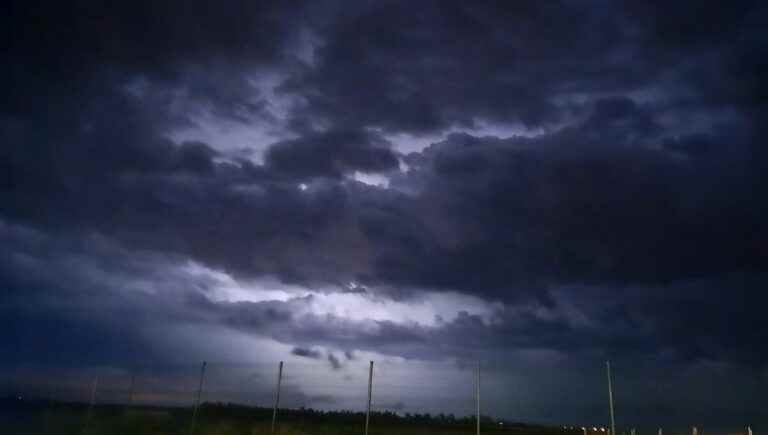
[539, 185]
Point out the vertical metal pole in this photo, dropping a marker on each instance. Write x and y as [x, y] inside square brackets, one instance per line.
[130, 389]
[91, 403]
[477, 396]
[610, 396]
[370, 395]
[197, 399]
[129, 404]
[48, 409]
[277, 395]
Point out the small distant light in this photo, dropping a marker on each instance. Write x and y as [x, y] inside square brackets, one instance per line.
[19, 397]
[602, 429]
[303, 187]
[594, 428]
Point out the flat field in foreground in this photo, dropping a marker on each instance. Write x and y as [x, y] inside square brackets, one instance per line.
[218, 419]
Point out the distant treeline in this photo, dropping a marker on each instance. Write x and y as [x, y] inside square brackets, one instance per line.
[302, 416]
[323, 416]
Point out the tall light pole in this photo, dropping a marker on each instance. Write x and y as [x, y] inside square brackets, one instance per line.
[277, 395]
[91, 404]
[370, 395]
[477, 396]
[610, 396]
[197, 399]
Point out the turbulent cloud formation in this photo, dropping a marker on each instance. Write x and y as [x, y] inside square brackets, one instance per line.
[331, 154]
[562, 183]
[304, 352]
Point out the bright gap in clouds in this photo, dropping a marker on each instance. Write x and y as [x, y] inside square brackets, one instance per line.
[223, 288]
[376, 180]
[249, 134]
[429, 309]
[410, 143]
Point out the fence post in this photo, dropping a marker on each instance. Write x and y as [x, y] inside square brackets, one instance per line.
[52, 401]
[130, 390]
[610, 396]
[277, 395]
[91, 403]
[749, 430]
[370, 395]
[661, 432]
[129, 403]
[477, 396]
[197, 399]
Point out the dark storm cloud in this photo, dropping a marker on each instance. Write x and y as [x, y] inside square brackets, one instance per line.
[453, 64]
[146, 34]
[331, 154]
[632, 225]
[94, 293]
[307, 353]
[590, 203]
[65, 301]
[61, 52]
[532, 62]
[94, 304]
[334, 361]
[622, 323]
[108, 168]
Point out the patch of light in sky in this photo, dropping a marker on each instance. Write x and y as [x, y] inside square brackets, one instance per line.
[400, 384]
[409, 143]
[377, 180]
[305, 45]
[224, 288]
[137, 87]
[232, 138]
[362, 306]
[187, 342]
[237, 138]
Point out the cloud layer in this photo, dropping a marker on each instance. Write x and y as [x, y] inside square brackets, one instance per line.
[181, 170]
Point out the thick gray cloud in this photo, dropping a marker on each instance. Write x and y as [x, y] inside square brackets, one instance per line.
[87, 302]
[630, 225]
[589, 203]
[534, 63]
[331, 154]
[305, 352]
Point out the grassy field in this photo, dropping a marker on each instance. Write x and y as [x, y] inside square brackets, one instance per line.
[48, 418]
